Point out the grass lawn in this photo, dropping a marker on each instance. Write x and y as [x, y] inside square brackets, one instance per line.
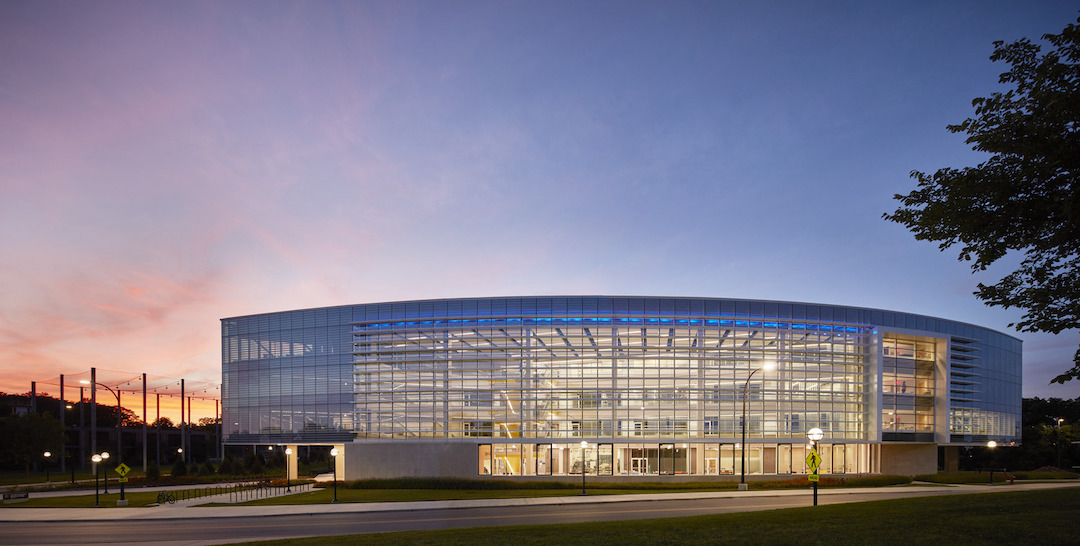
[1024, 517]
[134, 498]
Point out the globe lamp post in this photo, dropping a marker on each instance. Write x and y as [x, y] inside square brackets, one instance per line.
[105, 457]
[584, 445]
[97, 480]
[334, 454]
[288, 453]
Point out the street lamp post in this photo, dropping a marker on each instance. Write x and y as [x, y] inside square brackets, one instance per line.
[288, 453]
[1058, 442]
[97, 479]
[746, 387]
[334, 454]
[119, 420]
[584, 445]
[815, 435]
[47, 456]
[105, 457]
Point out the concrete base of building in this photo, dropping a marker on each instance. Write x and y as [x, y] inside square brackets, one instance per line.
[908, 459]
[364, 461]
[396, 459]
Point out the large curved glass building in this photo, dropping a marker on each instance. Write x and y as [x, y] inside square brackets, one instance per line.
[652, 386]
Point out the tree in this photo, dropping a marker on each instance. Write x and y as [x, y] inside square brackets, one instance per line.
[1026, 197]
[26, 437]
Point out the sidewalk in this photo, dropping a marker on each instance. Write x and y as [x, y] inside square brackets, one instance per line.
[178, 511]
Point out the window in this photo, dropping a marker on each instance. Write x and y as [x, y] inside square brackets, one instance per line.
[712, 427]
[483, 460]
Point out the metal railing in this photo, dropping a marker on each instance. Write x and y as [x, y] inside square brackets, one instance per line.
[262, 489]
[238, 492]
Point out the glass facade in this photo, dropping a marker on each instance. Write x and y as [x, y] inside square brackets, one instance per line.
[610, 377]
[287, 377]
[654, 385]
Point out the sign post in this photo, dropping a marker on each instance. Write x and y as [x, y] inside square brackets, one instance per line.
[813, 460]
[122, 470]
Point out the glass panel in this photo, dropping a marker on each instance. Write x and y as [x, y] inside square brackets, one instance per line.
[606, 454]
[798, 458]
[560, 459]
[484, 459]
[753, 460]
[543, 459]
[507, 459]
[727, 459]
[783, 459]
[712, 460]
[667, 459]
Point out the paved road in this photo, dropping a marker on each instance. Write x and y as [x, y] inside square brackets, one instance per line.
[234, 524]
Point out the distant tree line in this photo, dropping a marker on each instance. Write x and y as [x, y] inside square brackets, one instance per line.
[25, 435]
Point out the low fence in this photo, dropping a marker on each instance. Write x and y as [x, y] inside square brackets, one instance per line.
[242, 492]
[237, 492]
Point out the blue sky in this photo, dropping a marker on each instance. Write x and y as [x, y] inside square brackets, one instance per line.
[164, 165]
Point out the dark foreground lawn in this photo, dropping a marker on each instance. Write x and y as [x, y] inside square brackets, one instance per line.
[1026, 517]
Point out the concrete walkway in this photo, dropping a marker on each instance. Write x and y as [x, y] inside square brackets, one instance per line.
[193, 510]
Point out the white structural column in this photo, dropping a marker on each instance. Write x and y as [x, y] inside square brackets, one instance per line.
[291, 456]
[339, 463]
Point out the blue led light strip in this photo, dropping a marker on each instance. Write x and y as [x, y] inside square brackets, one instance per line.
[740, 323]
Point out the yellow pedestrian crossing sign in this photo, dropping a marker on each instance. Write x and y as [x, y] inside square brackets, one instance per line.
[813, 460]
[123, 469]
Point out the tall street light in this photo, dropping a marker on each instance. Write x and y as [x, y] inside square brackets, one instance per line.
[288, 453]
[334, 454]
[767, 366]
[47, 455]
[1058, 440]
[119, 421]
[584, 446]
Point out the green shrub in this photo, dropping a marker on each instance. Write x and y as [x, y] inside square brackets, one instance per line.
[153, 472]
[227, 466]
[1034, 475]
[206, 469]
[179, 468]
[962, 477]
[252, 464]
[876, 481]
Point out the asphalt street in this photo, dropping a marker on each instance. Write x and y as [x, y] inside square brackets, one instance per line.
[192, 525]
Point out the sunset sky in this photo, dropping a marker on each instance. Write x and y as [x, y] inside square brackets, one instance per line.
[167, 164]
